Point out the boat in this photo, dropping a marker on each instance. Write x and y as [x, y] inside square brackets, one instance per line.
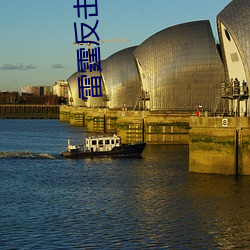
[101, 146]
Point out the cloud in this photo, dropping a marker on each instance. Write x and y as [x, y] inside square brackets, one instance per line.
[7, 66]
[57, 66]
[29, 67]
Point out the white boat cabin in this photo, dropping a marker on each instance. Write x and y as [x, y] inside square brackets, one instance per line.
[105, 143]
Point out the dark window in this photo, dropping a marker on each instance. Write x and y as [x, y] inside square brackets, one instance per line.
[94, 142]
[100, 142]
[227, 35]
[112, 142]
[107, 142]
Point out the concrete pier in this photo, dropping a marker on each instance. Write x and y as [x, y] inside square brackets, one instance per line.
[219, 145]
[167, 129]
[64, 114]
[132, 126]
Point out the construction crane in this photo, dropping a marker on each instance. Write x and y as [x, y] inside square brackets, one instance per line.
[103, 41]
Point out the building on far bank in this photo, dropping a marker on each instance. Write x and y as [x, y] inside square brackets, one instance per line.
[37, 90]
[9, 97]
[40, 100]
[39, 95]
[60, 89]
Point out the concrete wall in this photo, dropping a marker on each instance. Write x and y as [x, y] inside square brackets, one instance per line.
[167, 129]
[64, 114]
[132, 126]
[244, 152]
[219, 145]
[94, 120]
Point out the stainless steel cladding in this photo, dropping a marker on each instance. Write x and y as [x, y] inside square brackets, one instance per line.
[234, 32]
[121, 79]
[73, 91]
[180, 67]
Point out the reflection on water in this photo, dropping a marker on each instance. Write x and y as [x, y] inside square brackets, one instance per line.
[107, 203]
[224, 201]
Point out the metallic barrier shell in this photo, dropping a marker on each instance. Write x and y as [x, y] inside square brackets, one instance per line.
[180, 67]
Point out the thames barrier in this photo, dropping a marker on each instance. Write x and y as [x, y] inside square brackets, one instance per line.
[174, 75]
[179, 86]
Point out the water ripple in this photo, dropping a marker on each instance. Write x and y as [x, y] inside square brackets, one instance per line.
[148, 203]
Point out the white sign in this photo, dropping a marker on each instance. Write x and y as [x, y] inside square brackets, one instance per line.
[224, 123]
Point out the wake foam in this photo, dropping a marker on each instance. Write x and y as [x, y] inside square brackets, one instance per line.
[26, 154]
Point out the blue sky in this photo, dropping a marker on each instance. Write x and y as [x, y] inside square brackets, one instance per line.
[36, 35]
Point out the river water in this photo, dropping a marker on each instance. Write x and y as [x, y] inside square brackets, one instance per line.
[150, 203]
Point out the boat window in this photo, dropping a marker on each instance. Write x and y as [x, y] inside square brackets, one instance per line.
[112, 142]
[107, 142]
[117, 141]
[94, 142]
[100, 142]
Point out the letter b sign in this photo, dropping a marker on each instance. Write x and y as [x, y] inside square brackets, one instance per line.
[224, 123]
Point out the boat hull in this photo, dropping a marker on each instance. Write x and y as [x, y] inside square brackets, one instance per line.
[126, 150]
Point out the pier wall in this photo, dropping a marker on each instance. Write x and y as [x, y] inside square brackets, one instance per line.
[17, 111]
[219, 145]
[132, 126]
[167, 129]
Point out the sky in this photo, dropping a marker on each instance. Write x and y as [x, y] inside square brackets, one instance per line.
[36, 35]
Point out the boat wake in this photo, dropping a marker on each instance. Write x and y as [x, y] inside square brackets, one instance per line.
[26, 154]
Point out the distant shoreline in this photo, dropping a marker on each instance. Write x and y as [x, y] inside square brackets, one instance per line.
[17, 111]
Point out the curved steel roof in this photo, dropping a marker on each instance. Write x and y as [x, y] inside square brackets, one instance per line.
[180, 67]
[236, 18]
[74, 91]
[121, 79]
